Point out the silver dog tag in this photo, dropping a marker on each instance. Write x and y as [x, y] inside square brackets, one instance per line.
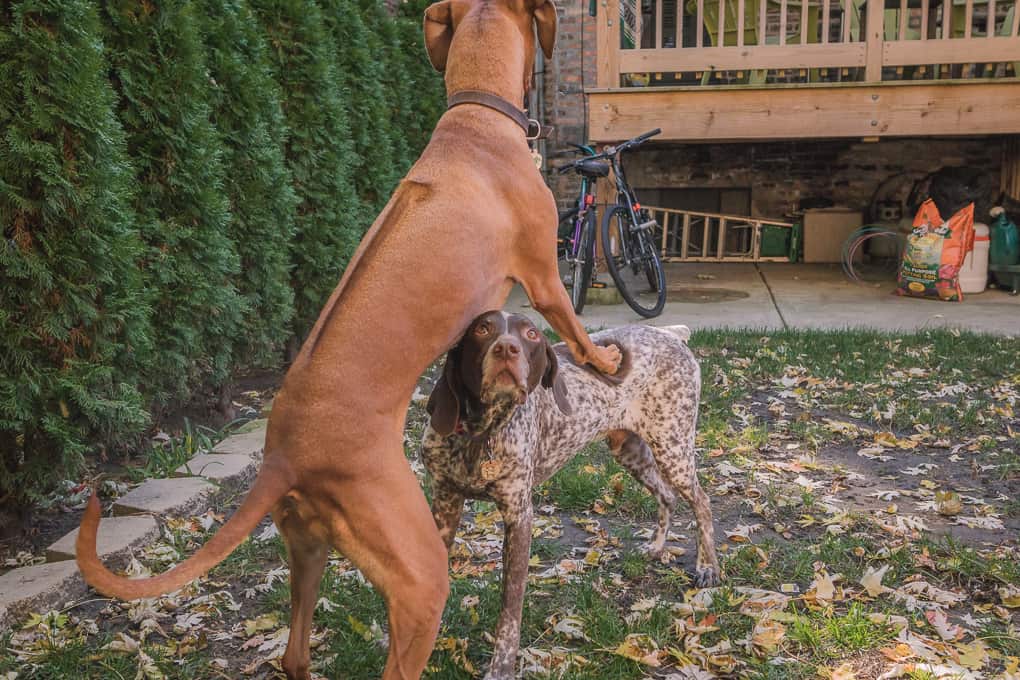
[537, 157]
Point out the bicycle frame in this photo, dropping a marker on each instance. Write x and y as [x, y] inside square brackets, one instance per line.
[585, 202]
[625, 196]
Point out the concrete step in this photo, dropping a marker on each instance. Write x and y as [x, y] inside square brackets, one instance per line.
[176, 496]
[41, 587]
[225, 468]
[249, 443]
[117, 536]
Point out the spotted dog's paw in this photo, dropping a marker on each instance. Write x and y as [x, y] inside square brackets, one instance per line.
[651, 551]
[707, 577]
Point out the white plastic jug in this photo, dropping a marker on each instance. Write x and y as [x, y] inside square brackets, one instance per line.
[974, 274]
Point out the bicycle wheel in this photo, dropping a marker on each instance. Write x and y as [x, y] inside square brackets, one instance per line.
[581, 267]
[633, 263]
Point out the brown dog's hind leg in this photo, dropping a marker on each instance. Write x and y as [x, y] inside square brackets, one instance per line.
[632, 453]
[385, 528]
[307, 559]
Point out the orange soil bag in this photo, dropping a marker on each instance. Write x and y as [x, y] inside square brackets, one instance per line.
[934, 253]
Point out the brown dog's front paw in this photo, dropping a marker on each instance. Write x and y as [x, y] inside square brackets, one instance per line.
[606, 359]
[707, 577]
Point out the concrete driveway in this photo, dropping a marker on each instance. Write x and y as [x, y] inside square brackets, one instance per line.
[777, 295]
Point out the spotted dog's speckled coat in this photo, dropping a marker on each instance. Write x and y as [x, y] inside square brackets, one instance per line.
[494, 447]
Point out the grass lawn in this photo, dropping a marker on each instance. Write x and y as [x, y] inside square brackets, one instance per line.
[866, 492]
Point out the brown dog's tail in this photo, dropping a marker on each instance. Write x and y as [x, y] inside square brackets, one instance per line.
[273, 482]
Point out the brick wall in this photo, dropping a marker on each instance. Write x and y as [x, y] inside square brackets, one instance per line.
[779, 174]
[564, 83]
[782, 174]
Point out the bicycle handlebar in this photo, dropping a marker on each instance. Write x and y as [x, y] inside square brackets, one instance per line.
[611, 151]
[647, 135]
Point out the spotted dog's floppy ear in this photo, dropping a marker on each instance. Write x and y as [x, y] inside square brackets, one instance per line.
[444, 402]
[438, 30]
[551, 379]
[545, 21]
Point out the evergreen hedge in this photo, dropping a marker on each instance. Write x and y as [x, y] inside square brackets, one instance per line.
[320, 154]
[191, 264]
[361, 74]
[181, 185]
[73, 312]
[246, 110]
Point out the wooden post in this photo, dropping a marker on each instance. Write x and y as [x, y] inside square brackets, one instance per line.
[740, 22]
[700, 19]
[875, 26]
[1010, 174]
[721, 29]
[607, 38]
[658, 25]
[678, 41]
[782, 22]
[804, 4]
[605, 197]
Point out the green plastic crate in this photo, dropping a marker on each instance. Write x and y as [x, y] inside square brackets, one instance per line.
[775, 241]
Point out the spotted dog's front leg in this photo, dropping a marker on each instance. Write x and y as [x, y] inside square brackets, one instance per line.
[517, 517]
[447, 508]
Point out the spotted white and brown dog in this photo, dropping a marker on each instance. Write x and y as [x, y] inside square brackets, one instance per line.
[493, 435]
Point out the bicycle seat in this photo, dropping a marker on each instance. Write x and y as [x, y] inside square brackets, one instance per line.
[591, 168]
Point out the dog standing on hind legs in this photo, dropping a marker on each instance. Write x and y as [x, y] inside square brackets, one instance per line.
[471, 218]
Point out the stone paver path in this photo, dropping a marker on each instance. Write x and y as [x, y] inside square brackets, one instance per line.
[42, 587]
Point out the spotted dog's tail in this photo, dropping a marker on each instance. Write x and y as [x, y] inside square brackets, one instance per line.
[681, 331]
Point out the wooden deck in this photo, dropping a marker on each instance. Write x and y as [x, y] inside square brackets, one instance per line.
[716, 70]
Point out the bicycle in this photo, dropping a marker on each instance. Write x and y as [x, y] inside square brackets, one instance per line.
[628, 230]
[577, 227]
[628, 240]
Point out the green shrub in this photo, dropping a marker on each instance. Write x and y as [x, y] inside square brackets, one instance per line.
[73, 317]
[190, 263]
[246, 110]
[330, 216]
[361, 66]
[419, 97]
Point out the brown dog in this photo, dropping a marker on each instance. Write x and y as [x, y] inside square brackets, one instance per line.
[472, 217]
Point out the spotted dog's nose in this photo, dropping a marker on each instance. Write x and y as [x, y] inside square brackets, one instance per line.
[506, 347]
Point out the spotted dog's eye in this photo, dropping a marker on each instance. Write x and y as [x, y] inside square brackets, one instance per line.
[532, 334]
[482, 330]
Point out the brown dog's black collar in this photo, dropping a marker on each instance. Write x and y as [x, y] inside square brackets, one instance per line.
[532, 128]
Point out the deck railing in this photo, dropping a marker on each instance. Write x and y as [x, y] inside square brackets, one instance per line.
[759, 42]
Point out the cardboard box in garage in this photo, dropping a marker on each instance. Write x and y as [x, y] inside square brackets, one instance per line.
[825, 231]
